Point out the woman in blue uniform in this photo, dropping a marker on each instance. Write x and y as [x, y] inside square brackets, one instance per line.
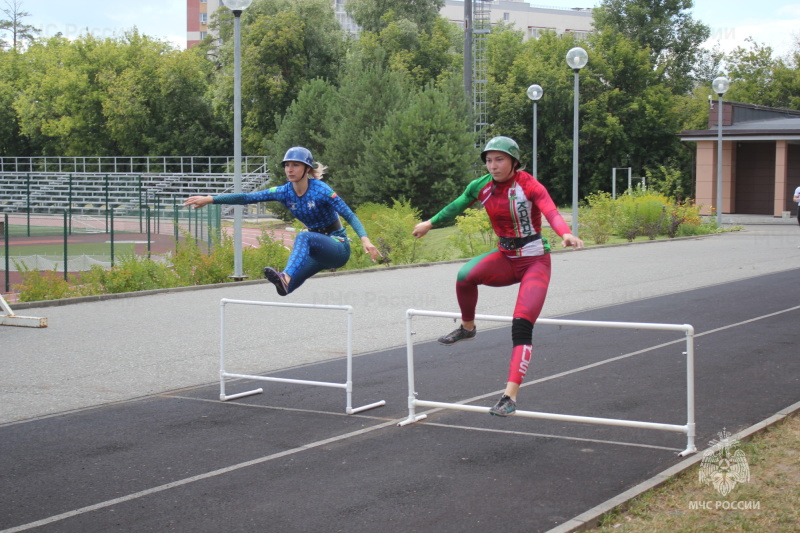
[325, 245]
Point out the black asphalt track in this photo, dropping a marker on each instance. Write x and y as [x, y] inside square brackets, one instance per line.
[290, 460]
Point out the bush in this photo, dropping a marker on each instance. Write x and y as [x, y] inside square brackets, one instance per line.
[132, 273]
[597, 217]
[37, 285]
[651, 214]
[681, 214]
[474, 233]
[389, 229]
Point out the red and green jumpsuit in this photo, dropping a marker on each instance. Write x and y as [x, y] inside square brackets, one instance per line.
[515, 208]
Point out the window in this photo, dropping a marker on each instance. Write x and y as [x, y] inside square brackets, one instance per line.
[579, 34]
[204, 18]
[506, 17]
[534, 32]
[203, 35]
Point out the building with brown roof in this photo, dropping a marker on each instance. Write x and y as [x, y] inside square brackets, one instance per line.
[760, 159]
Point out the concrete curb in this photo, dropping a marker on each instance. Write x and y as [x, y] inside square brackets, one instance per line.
[591, 519]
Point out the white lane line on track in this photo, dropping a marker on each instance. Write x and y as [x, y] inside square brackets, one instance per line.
[548, 436]
[273, 408]
[192, 479]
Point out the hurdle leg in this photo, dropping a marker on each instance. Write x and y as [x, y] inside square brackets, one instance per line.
[690, 421]
[222, 374]
[412, 395]
[349, 384]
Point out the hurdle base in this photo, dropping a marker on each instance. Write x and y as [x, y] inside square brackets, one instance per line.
[688, 451]
[226, 397]
[23, 321]
[10, 319]
[412, 419]
[354, 410]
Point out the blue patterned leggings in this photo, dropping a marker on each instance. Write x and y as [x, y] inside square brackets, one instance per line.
[314, 252]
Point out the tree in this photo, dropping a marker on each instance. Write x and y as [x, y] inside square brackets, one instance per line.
[303, 124]
[19, 32]
[157, 104]
[665, 28]
[284, 45]
[627, 116]
[757, 77]
[423, 154]
[424, 55]
[375, 15]
[366, 98]
[11, 78]
[128, 96]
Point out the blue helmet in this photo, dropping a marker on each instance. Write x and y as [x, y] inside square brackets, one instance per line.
[300, 154]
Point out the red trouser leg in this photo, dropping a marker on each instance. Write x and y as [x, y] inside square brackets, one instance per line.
[520, 359]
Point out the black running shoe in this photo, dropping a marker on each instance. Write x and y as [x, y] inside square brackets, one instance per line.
[504, 407]
[277, 279]
[459, 334]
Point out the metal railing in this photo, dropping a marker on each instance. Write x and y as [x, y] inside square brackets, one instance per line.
[187, 164]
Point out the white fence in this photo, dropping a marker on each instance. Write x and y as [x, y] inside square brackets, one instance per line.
[688, 429]
[347, 386]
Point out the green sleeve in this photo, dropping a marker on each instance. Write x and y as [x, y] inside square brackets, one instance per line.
[460, 204]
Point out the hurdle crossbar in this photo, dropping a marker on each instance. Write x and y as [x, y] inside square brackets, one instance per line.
[347, 386]
[8, 318]
[688, 429]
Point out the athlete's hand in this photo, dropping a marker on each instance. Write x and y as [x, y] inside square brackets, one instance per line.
[421, 229]
[198, 201]
[370, 248]
[568, 239]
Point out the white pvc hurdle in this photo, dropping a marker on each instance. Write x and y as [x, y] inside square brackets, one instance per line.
[10, 319]
[347, 386]
[688, 429]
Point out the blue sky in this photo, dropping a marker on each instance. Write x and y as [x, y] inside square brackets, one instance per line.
[772, 22]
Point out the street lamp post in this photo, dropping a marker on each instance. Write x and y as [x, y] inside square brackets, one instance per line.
[534, 93]
[237, 6]
[720, 86]
[576, 60]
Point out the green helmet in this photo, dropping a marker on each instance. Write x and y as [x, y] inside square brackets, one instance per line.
[502, 144]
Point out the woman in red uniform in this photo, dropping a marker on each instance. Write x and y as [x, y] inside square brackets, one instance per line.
[515, 202]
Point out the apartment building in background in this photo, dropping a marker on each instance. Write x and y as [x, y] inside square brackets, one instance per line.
[530, 19]
[198, 16]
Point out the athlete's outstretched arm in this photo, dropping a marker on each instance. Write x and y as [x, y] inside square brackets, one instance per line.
[198, 201]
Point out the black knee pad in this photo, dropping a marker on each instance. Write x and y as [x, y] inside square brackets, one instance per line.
[521, 332]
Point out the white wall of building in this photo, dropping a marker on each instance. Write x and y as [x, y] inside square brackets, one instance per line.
[532, 20]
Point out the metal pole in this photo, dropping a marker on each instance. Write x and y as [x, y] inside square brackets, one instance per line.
[28, 201]
[719, 161]
[614, 183]
[175, 219]
[575, 159]
[5, 240]
[112, 237]
[106, 180]
[140, 202]
[237, 146]
[148, 231]
[468, 49]
[65, 245]
[69, 206]
[535, 155]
